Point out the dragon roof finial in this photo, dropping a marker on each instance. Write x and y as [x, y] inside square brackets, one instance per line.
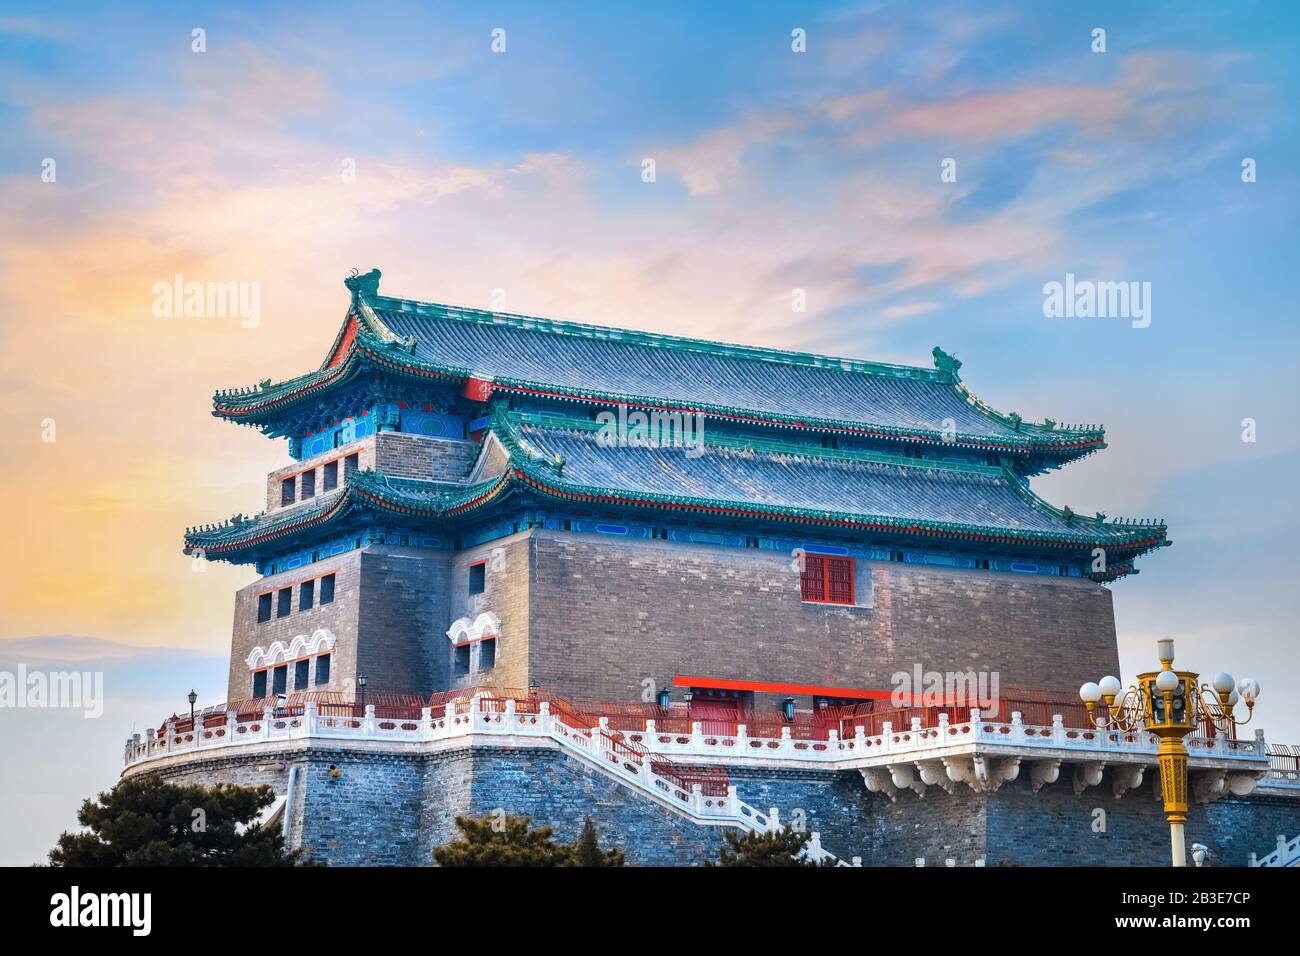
[363, 285]
[944, 362]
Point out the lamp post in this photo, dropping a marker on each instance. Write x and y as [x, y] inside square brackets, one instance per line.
[1169, 704]
[361, 682]
[192, 697]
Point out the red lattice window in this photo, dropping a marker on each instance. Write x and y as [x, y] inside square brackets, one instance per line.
[826, 580]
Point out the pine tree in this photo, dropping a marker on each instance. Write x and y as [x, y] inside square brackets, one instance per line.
[586, 850]
[781, 848]
[146, 822]
[498, 840]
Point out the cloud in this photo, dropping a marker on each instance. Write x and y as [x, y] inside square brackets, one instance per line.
[909, 309]
[38, 28]
[1012, 113]
[714, 158]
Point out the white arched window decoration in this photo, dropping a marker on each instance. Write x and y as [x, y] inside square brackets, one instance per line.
[279, 652]
[464, 630]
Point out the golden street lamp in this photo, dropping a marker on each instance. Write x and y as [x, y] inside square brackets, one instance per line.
[1169, 704]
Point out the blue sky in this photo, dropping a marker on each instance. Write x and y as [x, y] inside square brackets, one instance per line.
[521, 171]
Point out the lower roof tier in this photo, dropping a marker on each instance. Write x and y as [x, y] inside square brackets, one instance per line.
[722, 478]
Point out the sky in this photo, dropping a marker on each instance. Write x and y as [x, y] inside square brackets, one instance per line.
[516, 179]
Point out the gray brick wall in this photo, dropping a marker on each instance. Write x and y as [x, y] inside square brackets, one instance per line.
[606, 614]
[402, 645]
[340, 617]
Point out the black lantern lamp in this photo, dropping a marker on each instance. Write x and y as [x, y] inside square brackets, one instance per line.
[192, 698]
[787, 709]
[361, 682]
[688, 694]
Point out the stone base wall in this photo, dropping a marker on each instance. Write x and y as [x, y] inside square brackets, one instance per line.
[393, 809]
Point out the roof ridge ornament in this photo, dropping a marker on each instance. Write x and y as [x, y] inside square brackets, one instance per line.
[946, 362]
[363, 285]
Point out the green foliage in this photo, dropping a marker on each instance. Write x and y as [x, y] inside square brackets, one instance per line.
[499, 840]
[147, 822]
[586, 851]
[781, 848]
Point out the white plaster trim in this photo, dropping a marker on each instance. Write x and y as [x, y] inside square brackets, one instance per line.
[463, 630]
[320, 641]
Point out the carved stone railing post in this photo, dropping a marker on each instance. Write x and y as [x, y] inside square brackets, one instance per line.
[171, 735]
[859, 738]
[232, 720]
[943, 727]
[697, 735]
[887, 736]
[787, 741]
[697, 798]
[815, 847]
[368, 722]
[311, 718]
[733, 801]
[773, 819]
[742, 739]
[510, 721]
[1058, 730]
[544, 716]
[267, 716]
[426, 723]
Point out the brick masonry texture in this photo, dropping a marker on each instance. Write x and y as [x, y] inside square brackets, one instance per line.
[593, 619]
[394, 809]
[606, 615]
[340, 617]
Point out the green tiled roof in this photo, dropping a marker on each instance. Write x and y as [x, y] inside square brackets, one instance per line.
[766, 480]
[574, 362]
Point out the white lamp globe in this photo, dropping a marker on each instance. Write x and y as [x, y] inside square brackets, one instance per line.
[1090, 693]
[1110, 687]
[1223, 683]
[1166, 682]
[1249, 688]
[1233, 698]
